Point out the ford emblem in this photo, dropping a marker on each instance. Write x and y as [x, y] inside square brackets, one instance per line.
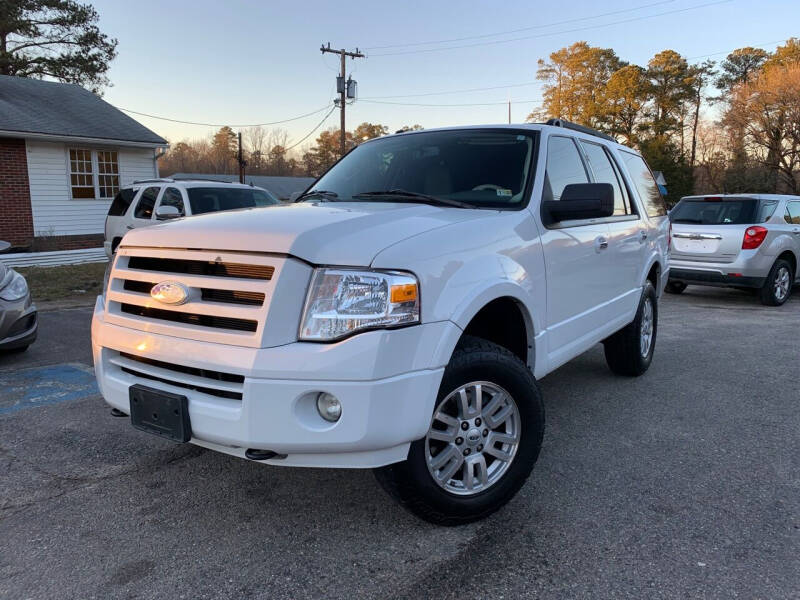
[170, 292]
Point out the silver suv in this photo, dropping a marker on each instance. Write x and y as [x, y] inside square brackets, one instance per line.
[738, 240]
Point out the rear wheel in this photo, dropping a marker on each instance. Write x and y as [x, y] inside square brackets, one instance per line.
[675, 287]
[484, 438]
[630, 350]
[778, 285]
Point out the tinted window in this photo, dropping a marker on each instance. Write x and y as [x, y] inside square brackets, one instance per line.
[121, 202]
[172, 197]
[741, 211]
[213, 199]
[604, 172]
[144, 210]
[264, 198]
[484, 168]
[793, 213]
[564, 166]
[645, 185]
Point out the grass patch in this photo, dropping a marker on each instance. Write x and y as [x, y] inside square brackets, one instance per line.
[67, 282]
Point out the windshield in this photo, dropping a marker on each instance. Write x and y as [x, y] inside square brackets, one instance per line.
[480, 168]
[700, 211]
[212, 199]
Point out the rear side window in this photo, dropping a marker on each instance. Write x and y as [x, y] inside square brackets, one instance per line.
[119, 206]
[699, 211]
[604, 172]
[645, 184]
[564, 167]
[144, 210]
[793, 213]
[766, 210]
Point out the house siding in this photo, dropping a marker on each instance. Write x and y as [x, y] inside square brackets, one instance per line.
[16, 222]
[55, 213]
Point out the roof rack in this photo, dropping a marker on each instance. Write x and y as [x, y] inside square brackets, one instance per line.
[575, 127]
[154, 180]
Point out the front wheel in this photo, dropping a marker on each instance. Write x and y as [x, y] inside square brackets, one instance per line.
[630, 350]
[675, 287]
[484, 438]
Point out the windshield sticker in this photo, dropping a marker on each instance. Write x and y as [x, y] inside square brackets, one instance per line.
[504, 192]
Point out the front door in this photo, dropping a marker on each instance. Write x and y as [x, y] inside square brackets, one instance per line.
[576, 261]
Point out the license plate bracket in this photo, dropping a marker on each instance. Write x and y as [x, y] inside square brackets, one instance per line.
[161, 413]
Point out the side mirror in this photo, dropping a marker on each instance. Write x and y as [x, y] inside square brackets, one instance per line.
[581, 201]
[294, 196]
[164, 213]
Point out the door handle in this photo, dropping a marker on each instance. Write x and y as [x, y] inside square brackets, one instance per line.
[796, 231]
[129, 227]
[600, 243]
[643, 235]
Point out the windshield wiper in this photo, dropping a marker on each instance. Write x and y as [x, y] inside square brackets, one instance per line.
[326, 194]
[399, 194]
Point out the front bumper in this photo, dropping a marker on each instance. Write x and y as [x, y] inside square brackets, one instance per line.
[19, 323]
[387, 382]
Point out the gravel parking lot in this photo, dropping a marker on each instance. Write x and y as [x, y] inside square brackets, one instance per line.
[682, 483]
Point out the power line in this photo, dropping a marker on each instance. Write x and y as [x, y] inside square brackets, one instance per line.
[319, 110]
[325, 118]
[552, 33]
[344, 87]
[459, 104]
[541, 26]
[480, 89]
[729, 51]
[527, 84]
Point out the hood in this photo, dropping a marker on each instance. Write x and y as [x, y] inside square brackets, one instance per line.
[336, 233]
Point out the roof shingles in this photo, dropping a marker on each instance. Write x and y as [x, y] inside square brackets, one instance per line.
[65, 109]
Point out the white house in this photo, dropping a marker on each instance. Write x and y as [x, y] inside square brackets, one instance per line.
[64, 153]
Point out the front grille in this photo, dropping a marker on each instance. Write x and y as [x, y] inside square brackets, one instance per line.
[23, 325]
[212, 294]
[190, 318]
[201, 267]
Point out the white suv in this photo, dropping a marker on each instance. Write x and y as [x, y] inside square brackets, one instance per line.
[398, 315]
[148, 201]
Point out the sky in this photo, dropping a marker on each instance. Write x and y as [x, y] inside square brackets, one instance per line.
[244, 63]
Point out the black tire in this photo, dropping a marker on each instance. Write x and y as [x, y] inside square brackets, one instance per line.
[675, 287]
[768, 293]
[623, 349]
[413, 486]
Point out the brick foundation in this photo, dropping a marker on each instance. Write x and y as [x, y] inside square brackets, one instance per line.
[66, 242]
[16, 222]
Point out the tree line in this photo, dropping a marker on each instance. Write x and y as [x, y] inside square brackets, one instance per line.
[266, 152]
[732, 127]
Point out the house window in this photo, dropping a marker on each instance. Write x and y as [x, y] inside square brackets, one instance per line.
[107, 173]
[93, 173]
[81, 173]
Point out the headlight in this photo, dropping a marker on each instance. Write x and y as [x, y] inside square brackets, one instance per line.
[342, 302]
[15, 289]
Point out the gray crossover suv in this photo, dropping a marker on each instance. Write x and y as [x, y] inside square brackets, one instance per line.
[18, 324]
[739, 240]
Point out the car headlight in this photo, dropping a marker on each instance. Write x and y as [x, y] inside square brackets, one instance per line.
[341, 302]
[15, 288]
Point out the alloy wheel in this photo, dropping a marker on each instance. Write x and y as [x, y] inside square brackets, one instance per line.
[473, 438]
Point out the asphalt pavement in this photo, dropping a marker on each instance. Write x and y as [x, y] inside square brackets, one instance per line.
[683, 483]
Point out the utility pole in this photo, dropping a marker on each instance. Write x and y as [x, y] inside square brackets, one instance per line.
[342, 87]
[240, 159]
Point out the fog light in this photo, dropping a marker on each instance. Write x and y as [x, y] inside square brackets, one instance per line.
[329, 407]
